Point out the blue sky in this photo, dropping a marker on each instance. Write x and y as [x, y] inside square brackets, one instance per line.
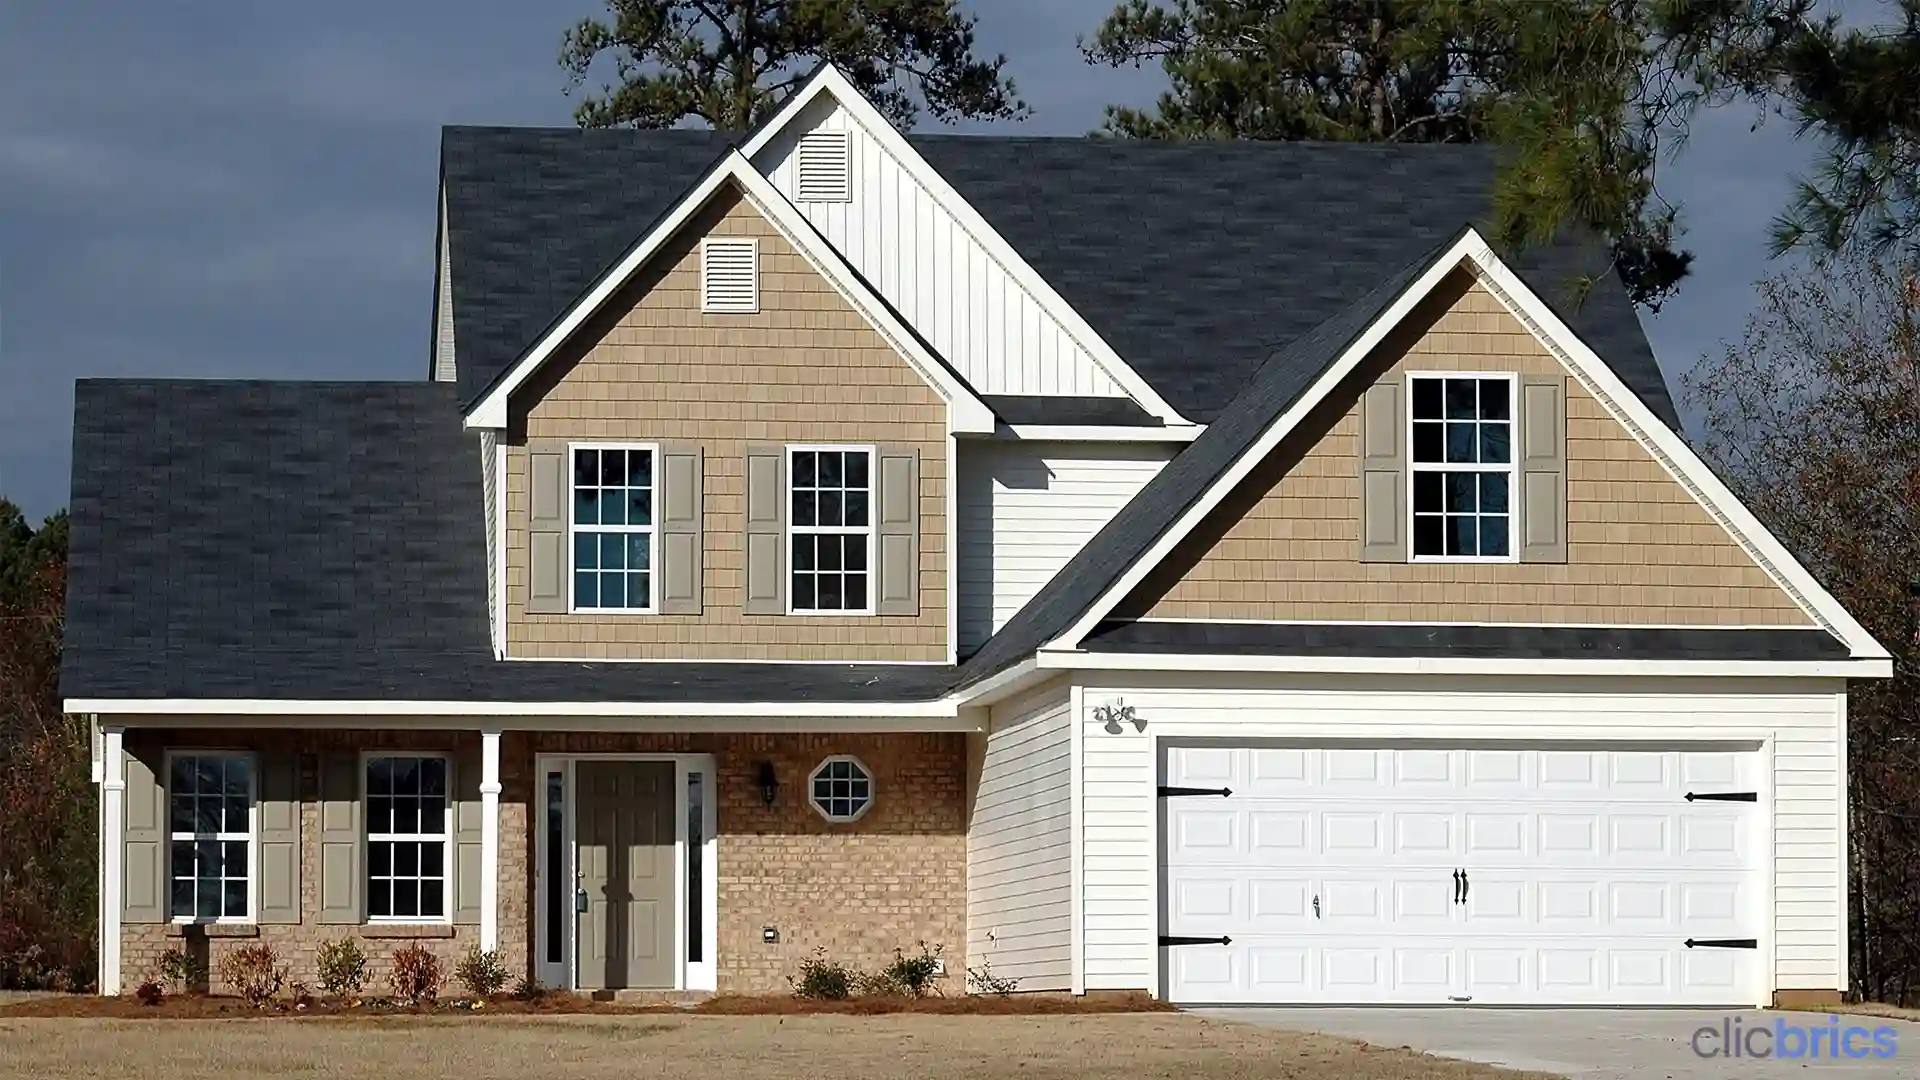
[247, 190]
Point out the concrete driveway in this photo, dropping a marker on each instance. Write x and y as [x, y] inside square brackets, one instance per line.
[1614, 1044]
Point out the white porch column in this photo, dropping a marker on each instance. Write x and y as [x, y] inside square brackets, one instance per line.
[113, 823]
[489, 840]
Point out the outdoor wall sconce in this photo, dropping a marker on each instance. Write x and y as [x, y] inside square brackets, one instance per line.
[769, 783]
[1116, 714]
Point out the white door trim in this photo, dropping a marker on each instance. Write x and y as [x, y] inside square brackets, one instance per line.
[1760, 742]
[688, 974]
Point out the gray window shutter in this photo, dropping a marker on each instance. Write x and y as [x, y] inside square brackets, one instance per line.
[279, 861]
[1383, 473]
[547, 531]
[465, 785]
[1543, 469]
[144, 856]
[766, 525]
[896, 578]
[679, 531]
[341, 882]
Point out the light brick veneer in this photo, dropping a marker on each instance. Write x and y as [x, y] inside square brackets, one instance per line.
[892, 879]
[298, 945]
[1640, 549]
[807, 368]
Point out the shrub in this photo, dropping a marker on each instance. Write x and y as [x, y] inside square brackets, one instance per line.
[483, 974]
[254, 972]
[529, 989]
[822, 979]
[149, 992]
[914, 975]
[300, 993]
[343, 967]
[184, 970]
[984, 981]
[415, 977]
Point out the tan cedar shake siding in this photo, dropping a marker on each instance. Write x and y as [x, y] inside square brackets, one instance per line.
[1640, 549]
[808, 368]
[895, 878]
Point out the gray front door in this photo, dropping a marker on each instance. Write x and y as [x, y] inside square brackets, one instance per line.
[625, 841]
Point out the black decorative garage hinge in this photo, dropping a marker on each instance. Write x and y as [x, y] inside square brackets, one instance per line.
[1723, 943]
[1172, 792]
[1724, 796]
[1169, 939]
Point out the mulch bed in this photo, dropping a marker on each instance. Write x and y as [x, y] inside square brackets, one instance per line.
[205, 1007]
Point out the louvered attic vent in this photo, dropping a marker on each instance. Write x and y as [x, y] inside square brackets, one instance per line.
[730, 276]
[823, 172]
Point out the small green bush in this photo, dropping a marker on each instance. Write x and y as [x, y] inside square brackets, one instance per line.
[529, 989]
[254, 972]
[483, 974]
[343, 967]
[984, 981]
[187, 972]
[913, 976]
[821, 979]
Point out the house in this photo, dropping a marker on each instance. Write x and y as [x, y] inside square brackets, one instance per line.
[1207, 569]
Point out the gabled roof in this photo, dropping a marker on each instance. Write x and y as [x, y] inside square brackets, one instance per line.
[1194, 260]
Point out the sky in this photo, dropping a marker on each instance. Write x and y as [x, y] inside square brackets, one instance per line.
[247, 190]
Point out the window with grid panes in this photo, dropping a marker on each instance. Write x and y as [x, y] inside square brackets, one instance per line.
[1462, 466]
[210, 834]
[408, 836]
[830, 524]
[613, 490]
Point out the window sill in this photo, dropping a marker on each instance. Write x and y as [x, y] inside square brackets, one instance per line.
[391, 931]
[213, 930]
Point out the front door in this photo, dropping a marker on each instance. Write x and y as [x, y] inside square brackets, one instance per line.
[625, 858]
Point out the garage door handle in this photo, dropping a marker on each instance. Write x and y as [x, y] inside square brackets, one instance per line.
[1723, 943]
[1466, 886]
[1456, 886]
[1171, 939]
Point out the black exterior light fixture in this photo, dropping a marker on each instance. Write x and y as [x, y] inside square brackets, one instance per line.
[769, 783]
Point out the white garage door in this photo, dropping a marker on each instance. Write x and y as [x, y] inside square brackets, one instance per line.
[1538, 875]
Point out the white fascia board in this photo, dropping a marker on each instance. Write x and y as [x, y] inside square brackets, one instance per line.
[965, 413]
[1072, 660]
[1001, 685]
[828, 80]
[1170, 433]
[1674, 454]
[267, 707]
[1247, 462]
[1664, 443]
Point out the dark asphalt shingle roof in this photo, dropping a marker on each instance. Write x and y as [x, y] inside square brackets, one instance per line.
[1069, 411]
[1195, 260]
[325, 541]
[1403, 640]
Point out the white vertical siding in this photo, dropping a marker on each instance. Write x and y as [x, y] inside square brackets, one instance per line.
[443, 363]
[1019, 843]
[1026, 508]
[941, 280]
[1797, 721]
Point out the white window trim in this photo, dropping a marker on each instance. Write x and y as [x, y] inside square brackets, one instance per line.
[651, 531]
[252, 837]
[873, 789]
[752, 246]
[1511, 468]
[870, 531]
[368, 837]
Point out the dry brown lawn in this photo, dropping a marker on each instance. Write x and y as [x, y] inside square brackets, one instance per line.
[1120, 1047]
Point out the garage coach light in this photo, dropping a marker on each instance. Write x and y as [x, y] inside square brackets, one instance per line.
[1116, 714]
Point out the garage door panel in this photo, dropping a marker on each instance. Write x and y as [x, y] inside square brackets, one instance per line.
[1587, 869]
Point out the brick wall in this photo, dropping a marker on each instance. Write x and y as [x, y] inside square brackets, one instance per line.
[298, 945]
[1640, 549]
[892, 879]
[807, 368]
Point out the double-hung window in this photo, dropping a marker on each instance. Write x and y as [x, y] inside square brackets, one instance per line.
[830, 522]
[1462, 465]
[210, 832]
[613, 526]
[408, 839]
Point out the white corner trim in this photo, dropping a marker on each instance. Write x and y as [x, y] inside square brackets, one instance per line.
[1672, 452]
[1665, 444]
[828, 80]
[1069, 660]
[500, 549]
[1170, 433]
[965, 412]
[113, 849]
[1076, 839]
[1356, 351]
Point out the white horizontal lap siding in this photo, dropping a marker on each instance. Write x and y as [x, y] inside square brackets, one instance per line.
[1019, 888]
[1026, 508]
[1798, 720]
[941, 280]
